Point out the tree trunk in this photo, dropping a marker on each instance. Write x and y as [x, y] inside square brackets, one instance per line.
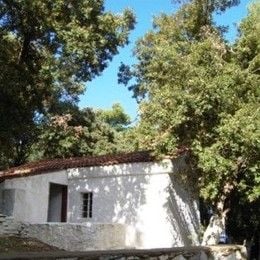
[215, 228]
[217, 223]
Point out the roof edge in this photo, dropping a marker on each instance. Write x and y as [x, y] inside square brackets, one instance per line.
[51, 165]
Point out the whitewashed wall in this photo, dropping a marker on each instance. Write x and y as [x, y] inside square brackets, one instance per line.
[145, 196]
[32, 195]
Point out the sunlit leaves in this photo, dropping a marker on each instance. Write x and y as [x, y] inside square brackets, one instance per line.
[199, 91]
[48, 50]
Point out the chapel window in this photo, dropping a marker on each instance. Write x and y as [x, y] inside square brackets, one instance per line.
[87, 202]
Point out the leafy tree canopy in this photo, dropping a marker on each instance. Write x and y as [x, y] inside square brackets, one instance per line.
[48, 50]
[198, 91]
[115, 117]
[74, 133]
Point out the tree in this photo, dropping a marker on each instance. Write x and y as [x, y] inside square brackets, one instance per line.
[49, 49]
[115, 117]
[74, 132]
[197, 91]
[119, 121]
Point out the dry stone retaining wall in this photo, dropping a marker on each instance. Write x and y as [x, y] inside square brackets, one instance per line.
[182, 253]
[78, 237]
[103, 236]
[9, 227]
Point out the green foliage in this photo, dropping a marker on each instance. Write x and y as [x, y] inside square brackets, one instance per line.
[235, 154]
[247, 46]
[127, 140]
[197, 91]
[73, 132]
[77, 133]
[116, 117]
[48, 50]
[212, 6]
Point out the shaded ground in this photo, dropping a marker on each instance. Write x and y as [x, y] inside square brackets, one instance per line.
[17, 244]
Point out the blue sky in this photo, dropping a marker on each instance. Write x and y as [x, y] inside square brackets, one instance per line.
[104, 91]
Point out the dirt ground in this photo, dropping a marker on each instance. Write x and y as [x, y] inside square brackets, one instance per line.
[17, 244]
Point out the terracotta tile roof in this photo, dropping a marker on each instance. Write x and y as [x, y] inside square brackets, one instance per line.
[44, 166]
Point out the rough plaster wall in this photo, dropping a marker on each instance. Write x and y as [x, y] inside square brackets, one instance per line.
[78, 237]
[32, 195]
[144, 196]
[112, 236]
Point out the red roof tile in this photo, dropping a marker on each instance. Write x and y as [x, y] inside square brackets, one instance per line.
[44, 166]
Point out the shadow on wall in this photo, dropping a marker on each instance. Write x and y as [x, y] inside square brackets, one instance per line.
[156, 208]
[116, 196]
[182, 204]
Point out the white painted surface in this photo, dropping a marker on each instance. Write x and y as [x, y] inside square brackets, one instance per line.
[145, 198]
[32, 195]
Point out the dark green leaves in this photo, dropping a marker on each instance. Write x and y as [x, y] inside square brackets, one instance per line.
[48, 51]
[197, 91]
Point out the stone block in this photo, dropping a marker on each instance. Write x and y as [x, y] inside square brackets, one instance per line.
[199, 256]
[179, 257]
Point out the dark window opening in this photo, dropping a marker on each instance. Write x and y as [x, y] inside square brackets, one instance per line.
[87, 204]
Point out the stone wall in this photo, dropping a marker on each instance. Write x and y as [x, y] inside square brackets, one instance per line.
[9, 227]
[78, 237]
[230, 252]
[106, 239]
[225, 252]
[102, 238]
